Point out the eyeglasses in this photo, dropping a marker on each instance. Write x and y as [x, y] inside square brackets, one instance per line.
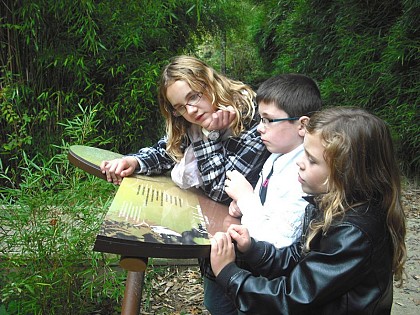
[266, 121]
[193, 100]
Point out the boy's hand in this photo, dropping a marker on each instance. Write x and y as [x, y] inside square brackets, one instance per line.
[236, 185]
[240, 235]
[222, 252]
[116, 169]
[234, 210]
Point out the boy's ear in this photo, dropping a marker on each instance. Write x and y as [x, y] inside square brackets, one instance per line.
[302, 123]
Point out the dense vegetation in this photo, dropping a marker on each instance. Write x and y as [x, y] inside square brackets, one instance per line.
[85, 72]
[363, 53]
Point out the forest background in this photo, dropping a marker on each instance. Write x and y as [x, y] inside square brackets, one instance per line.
[86, 72]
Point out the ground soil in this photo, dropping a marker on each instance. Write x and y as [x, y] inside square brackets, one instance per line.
[179, 289]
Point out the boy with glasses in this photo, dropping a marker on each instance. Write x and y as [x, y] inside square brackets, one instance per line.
[273, 211]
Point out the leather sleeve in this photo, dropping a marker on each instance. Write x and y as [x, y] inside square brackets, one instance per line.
[337, 261]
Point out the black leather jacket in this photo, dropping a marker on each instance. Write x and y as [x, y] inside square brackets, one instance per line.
[347, 271]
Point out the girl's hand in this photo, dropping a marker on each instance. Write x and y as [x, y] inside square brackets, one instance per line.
[240, 235]
[236, 185]
[234, 210]
[116, 169]
[222, 252]
[222, 119]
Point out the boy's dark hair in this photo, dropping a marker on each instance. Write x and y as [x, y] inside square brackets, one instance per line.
[296, 94]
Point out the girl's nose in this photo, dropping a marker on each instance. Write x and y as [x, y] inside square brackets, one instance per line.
[191, 109]
[300, 164]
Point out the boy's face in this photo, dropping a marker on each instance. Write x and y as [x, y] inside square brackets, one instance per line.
[313, 169]
[281, 136]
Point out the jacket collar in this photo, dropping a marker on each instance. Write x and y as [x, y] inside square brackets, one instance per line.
[310, 199]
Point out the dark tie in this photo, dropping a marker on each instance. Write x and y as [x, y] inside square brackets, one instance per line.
[263, 188]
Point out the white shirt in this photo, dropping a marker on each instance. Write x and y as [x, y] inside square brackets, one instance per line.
[279, 220]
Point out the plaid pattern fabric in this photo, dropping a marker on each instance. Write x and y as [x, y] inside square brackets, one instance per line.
[154, 160]
[245, 153]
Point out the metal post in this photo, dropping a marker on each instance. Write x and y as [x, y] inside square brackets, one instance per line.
[136, 267]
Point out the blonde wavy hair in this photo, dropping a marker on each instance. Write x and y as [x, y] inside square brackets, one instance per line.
[222, 92]
[360, 155]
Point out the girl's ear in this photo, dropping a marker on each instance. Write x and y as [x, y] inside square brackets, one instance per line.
[302, 125]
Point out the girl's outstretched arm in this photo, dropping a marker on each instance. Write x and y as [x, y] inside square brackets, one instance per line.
[117, 169]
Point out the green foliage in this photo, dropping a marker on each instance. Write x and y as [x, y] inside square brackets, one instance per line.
[48, 225]
[231, 50]
[361, 53]
[49, 221]
[59, 56]
[83, 128]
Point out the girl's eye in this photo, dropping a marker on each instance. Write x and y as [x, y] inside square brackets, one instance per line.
[193, 98]
[309, 158]
[311, 161]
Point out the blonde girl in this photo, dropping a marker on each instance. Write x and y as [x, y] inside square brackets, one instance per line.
[224, 94]
[210, 128]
